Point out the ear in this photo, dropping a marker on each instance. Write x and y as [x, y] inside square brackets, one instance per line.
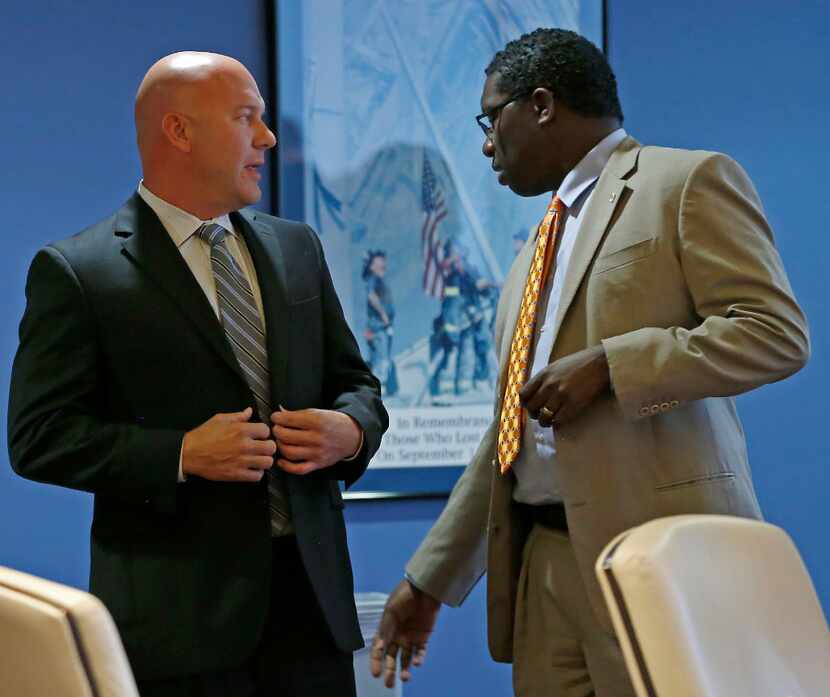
[178, 130]
[543, 104]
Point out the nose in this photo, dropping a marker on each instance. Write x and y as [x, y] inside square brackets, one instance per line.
[266, 138]
[487, 149]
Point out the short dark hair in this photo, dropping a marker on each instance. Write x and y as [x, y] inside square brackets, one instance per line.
[368, 257]
[564, 62]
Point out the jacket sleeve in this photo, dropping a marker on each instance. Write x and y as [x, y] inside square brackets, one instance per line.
[58, 428]
[751, 329]
[453, 556]
[350, 386]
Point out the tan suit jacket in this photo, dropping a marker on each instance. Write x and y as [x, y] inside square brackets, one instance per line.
[676, 273]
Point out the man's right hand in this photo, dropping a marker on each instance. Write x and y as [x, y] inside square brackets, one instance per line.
[407, 622]
[228, 448]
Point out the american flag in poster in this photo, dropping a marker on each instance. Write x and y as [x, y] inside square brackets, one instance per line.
[432, 200]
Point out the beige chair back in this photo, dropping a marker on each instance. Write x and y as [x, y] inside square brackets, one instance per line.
[715, 606]
[57, 641]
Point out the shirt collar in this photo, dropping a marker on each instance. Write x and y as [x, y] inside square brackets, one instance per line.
[179, 224]
[589, 168]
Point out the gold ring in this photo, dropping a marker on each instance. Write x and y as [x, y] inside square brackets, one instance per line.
[546, 414]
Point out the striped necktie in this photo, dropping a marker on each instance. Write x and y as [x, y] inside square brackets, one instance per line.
[246, 336]
[512, 418]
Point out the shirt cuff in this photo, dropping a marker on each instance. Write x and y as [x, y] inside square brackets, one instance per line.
[359, 448]
[181, 477]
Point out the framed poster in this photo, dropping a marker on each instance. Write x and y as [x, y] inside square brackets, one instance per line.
[379, 152]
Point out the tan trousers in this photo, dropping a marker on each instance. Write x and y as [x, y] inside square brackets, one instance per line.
[559, 648]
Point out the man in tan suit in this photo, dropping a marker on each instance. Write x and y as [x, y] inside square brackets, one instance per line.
[666, 297]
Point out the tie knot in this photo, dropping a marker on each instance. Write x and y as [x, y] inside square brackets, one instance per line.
[212, 233]
[557, 205]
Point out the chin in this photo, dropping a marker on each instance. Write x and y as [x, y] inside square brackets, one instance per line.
[249, 197]
[523, 190]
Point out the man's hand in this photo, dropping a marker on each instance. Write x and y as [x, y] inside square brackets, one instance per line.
[228, 448]
[311, 439]
[406, 624]
[567, 386]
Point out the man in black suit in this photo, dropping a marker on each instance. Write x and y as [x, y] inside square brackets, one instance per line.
[169, 356]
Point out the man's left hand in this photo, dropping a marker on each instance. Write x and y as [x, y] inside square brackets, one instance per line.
[565, 387]
[311, 439]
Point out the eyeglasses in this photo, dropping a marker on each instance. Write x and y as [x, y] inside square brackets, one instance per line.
[485, 121]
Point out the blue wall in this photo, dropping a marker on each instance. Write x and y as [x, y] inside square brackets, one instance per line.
[742, 77]
[749, 79]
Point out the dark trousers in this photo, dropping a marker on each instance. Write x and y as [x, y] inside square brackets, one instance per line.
[296, 656]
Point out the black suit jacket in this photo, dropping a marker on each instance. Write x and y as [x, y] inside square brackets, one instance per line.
[120, 354]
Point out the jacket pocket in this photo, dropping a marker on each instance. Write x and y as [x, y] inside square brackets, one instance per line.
[632, 251]
[300, 299]
[714, 477]
[716, 493]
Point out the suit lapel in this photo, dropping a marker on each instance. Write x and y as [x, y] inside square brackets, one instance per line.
[604, 201]
[269, 262]
[148, 245]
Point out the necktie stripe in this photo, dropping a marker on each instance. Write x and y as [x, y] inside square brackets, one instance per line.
[251, 366]
[251, 322]
[233, 275]
[235, 280]
[211, 233]
[245, 301]
[253, 341]
[258, 382]
[225, 261]
[245, 333]
[260, 365]
[262, 408]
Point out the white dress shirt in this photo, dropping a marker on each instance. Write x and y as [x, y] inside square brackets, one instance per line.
[535, 466]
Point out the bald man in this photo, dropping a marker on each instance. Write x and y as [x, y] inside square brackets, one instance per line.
[186, 360]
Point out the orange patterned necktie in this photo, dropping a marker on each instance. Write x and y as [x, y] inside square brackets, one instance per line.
[512, 414]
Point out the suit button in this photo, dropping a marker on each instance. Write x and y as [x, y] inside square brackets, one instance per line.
[655, 408]
[644, 411]
[674, 403]
[665, 406]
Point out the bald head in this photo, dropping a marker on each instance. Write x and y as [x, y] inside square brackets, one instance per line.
[179, 83]
[199, 125]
